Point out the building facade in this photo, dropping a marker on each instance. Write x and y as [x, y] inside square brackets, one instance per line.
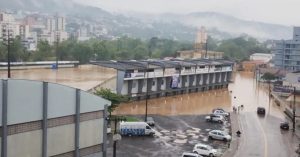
[287, 52]
[158, 78]
[41, 119]
[264, 57]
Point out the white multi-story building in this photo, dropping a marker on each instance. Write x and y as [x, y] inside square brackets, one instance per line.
[60, 24]
[159, 78]
[265, 57]
[50, 24]
[6, 17]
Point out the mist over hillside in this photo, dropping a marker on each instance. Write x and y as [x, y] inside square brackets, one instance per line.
[171, 26]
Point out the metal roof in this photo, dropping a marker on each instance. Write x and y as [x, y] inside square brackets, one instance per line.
[158, 64]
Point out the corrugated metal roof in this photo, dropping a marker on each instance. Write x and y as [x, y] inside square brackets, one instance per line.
[157, 64]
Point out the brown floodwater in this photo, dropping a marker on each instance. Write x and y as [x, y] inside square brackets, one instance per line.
[243, 91]
[83, 77]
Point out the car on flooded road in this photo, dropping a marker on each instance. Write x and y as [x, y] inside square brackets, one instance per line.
[204, 149]
[219, 135]
[221, 112]
[215, 118]
[284, 126]
[185, 154]
[261, 111]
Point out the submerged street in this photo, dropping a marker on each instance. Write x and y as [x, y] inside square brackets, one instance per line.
[261, 136]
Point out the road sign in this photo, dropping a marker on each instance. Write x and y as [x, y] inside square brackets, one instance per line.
[117, 137]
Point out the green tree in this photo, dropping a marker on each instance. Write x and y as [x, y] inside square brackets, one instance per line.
[44, 52]
[140, 52]
[16, 50]
[3, 52]
[115, 99]
[81, 52]
[268, 76]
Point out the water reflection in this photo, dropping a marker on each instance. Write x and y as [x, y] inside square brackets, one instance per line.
[245, 89]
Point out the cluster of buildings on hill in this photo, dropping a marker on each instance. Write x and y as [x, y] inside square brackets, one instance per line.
[33, 28]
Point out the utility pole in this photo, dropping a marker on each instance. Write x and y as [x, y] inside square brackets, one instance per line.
[116, 136]
[294, 109]
[269, 95]
[56, 48]
[146, 113]
[7, 37]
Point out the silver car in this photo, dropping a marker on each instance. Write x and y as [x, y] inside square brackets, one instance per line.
[150, 121]
[219, 135]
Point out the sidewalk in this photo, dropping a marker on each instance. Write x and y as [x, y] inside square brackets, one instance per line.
[234, 144]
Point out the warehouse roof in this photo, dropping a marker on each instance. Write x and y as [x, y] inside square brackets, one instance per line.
[158, 64]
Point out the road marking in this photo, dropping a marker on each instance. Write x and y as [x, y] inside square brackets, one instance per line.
[264, 136]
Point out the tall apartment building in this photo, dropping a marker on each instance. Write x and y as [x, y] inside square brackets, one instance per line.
[60, 23]
[50, 24]
[287, 52]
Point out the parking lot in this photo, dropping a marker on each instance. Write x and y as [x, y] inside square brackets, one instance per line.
[174, 135]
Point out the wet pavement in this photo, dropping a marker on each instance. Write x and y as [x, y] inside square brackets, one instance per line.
[174, 135]
[83, 77]
[261, 136]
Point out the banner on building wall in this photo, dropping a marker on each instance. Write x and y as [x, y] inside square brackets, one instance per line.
[175, 81]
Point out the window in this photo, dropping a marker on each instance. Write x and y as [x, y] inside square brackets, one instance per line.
[148, 127]
[162, 82]
[298, 62]
[202, 67]
[153, 83]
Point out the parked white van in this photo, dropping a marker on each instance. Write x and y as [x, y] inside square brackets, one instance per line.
[136, 129]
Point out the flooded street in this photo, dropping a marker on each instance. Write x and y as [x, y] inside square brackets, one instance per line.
[83, 77]
[261, 135]
[243, 91]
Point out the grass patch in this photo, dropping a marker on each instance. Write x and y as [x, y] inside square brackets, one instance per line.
[132, 119]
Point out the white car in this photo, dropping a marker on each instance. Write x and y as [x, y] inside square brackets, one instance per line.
[190, 155]
[215, 118]
[204, 149]
[219, 135]
[221, 112]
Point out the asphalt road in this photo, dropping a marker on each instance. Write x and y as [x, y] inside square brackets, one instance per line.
[262, 137]
[175, 135]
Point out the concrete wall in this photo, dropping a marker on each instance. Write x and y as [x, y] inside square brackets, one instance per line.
[88, 135]
[61, 101]
[27, 93]
[28, 144]
[135, 86]
[1, 88]
[61, 139]
[25, 116]
[154, 84]
[124, 89]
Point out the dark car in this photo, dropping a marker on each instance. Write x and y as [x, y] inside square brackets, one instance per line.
[284, 126]
[261, 110]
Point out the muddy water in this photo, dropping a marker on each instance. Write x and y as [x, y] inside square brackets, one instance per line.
[243, 91]
[84, 77]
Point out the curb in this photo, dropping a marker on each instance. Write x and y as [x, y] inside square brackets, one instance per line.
[234, 143]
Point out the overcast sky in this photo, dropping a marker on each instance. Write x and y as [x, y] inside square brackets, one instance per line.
[285, 12]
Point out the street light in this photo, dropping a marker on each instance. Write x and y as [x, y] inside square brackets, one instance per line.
[294, 109]
[116, 136]
[57, 42]
[146, 113]
[7, 40]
